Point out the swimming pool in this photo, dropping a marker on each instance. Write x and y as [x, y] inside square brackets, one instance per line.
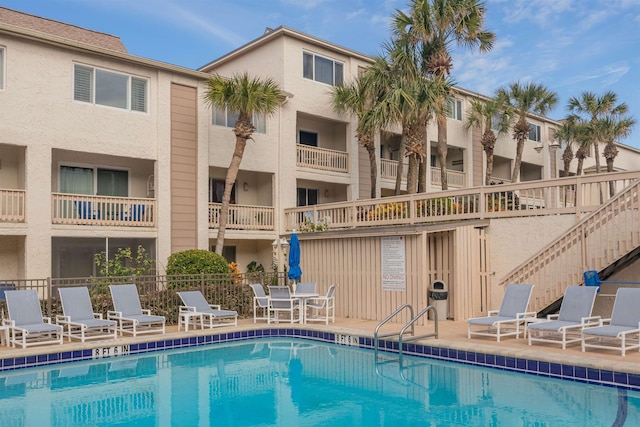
[299, 382]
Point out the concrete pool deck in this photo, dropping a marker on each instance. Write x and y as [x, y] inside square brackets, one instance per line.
[452, 335]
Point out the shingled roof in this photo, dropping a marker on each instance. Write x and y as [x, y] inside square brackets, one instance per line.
[59, 29]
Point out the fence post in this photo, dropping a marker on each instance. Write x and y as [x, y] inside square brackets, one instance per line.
[202, 283]
[49, 296]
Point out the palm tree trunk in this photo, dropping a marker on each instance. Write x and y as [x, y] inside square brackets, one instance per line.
[579, 168]
[400, 170]
[487, 178]
[422, 166]
[412, 174]
[230, 179]
[516, 166]
[596, 153]
[373, 167]
[442, 149]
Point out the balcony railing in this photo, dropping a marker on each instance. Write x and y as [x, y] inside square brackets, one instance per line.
[102, 210]
[389, 169]
[577, 195]
[244, 217]
[12, 205]
[455, 179]
[322, 158]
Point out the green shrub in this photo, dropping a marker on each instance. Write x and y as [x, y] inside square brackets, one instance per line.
[196, 261]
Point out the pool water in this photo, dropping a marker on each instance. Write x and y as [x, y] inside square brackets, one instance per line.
[296, 382]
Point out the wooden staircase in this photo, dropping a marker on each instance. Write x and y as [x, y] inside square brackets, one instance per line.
[602, 238]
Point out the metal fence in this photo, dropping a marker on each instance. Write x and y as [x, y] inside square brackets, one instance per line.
[157, 293]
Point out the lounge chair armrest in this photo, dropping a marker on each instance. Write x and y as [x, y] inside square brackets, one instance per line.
[591, 320]
[553, 316]
[111, 314]
[187, 309]
[60, 318]
[10, 323]
[605, 321]
[493, 312]
[526, 315]
[215, 306]
[97, 315]
[146, 311]
[46, 319]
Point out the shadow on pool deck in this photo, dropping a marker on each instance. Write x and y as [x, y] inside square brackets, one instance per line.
[451, 335]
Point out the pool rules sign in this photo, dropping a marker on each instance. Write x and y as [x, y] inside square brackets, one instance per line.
[394, 276]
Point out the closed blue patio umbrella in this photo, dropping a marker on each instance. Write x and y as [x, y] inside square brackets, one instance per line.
[295, 273]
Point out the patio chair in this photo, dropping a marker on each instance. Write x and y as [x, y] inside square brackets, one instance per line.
[323, 308]
[26, 324]
[260, 303]
[306, 288]
[281, 301]
[622, 331]
[80, 320]
[508, 320]
[131, 318]
[575, 314]
[211, 315]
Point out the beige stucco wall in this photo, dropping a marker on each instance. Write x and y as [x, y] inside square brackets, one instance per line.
[514, 240]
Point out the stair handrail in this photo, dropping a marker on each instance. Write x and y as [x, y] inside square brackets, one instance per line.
[576, 235]
[412, 322]
[377, 336]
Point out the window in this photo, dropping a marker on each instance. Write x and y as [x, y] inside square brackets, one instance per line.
[534, 132]
[454, 108]
[308, 138]
[82, 180]
[1, 68]
[216, 191]
[103, 87]
[227, 119]
[307, 196]
[322, 69]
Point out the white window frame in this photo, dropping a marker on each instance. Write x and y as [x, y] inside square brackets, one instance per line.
[454, 108]
[313, 76]
[260, 124]
[130, 88]
[3, 56]
[534, 130]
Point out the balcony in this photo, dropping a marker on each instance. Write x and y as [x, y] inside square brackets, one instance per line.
[455, 179]
[322, 159]
[80, 209]
[389, 169]
[12, 205]
[244, 217]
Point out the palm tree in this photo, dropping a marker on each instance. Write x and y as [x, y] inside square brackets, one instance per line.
[489, 116]
[525, 99]
[431, 27]
[566, 135]
[608, 129]
[246, 96]
[590, 107]
[357, 98]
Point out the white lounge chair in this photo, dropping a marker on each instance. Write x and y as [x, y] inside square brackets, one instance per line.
[324, 307]
[622, 331]
[281, 301]
[260, 303]
[131, 318]
[211, 315]
[80, 320]
[575, 314]
[509, 320]
[26, 324]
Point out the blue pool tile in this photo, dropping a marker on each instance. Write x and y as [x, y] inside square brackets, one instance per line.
[634, 380]
[77, 354]
[142, 346]
[54, 357]
[8, 362]
[580, 372]
[42, 358]
[544, 367]
[593, 374]
[31, 360]
[500, 361]
[481, 358]
[19, 361]
[567, 370]
[532, 365]
[521, 364]
[510, 362]
[620, 378]
[471, 356]
[606, 376]
[555, 368]
[490, 359]
[65, 355]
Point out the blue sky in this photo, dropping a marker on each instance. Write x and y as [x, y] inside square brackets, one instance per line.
[568, 45]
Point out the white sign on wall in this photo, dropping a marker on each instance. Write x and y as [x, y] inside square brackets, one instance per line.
[394, 275]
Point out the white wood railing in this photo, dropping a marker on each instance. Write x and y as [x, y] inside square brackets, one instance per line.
[455, 179]
[102, 210]
[322, 158]
[610, 232]
[12, 205]
[577, 195]
[389, 169]
[244, 217]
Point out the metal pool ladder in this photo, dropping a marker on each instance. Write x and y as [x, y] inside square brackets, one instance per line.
[409, 326]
